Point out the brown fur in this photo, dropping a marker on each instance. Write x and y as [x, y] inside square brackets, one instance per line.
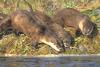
[73, 18]
[22, 21]
[4, 28]
[61, 33]
[37, 15]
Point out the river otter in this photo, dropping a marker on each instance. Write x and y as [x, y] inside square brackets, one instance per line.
[61, 33]
[73, 18]
[22, 21]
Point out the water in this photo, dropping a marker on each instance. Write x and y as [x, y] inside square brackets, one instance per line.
[50, 61]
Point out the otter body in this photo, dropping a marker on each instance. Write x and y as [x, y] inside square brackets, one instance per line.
[73, 18]
[22, 21]
[58, 29]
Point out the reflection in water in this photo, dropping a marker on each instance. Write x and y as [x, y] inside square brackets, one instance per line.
[58, 61]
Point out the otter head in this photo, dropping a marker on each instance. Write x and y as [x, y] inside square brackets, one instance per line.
[53, 44]
[68, 40]
[86, 27]
[50, 38]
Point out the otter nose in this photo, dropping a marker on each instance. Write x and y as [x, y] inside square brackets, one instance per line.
[69, 42]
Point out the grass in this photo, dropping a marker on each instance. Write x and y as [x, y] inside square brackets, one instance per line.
[12, 44]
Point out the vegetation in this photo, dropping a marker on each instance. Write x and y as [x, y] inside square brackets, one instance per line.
[12, 44]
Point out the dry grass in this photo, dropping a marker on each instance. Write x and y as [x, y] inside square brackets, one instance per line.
[11, 44]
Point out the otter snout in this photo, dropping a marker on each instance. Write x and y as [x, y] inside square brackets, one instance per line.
[88, 30]
[56, 45]
[70, 41]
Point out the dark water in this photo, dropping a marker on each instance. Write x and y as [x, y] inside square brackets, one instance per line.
[53, 61]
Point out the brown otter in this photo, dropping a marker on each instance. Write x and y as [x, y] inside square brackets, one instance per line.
[61, 33]
[73, 18]
[22, 21]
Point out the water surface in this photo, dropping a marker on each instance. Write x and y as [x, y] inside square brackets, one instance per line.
[50, 61]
